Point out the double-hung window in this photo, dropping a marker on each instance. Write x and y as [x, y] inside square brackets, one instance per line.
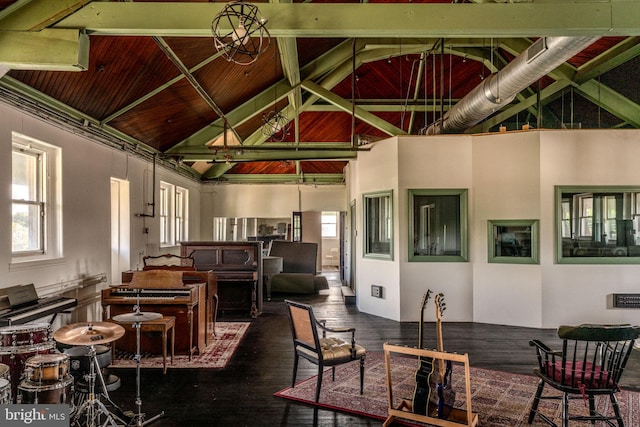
[36, 226]
[174, 203]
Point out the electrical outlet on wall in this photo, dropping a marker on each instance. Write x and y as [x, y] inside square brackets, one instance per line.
[376, 291]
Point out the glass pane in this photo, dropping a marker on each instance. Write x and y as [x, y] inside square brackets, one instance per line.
[378, 225]
[598, 222]
[26, 228]
[437, 225]
[512, 241]
[24, 176]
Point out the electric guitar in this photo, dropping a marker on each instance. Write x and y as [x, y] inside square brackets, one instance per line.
[422, 392]
[446, 395]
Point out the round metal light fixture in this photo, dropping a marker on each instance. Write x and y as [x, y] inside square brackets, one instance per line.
[239, 34]
[275, 125]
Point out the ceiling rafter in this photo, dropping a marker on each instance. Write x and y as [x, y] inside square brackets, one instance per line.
[594, 18]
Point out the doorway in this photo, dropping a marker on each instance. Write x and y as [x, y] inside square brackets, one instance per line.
[120, 229]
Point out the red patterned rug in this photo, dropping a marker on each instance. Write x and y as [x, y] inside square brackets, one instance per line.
[217, 354]
[501, 399]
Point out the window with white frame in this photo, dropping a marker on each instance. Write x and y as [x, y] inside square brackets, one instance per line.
[329, 224]
[36, 192]
[174, 202]
[182, 210]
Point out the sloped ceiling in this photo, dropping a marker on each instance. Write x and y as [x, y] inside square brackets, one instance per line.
[145, 76]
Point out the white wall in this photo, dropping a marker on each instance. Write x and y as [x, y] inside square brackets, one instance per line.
[509, 176]
[265, 201]
[376, 171]
[87, 168]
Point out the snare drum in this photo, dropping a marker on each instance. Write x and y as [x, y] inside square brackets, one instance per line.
[52, 393]
[47, 367]
[5, 392]
[21, 335]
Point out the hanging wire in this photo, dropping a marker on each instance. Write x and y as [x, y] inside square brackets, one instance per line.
[275, 123]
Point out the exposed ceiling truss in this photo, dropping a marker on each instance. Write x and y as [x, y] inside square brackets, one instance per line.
[55, 36]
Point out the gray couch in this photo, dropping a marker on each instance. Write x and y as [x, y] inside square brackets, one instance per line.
[299, 275]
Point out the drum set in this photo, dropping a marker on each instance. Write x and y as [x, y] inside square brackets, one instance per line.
[34, 371]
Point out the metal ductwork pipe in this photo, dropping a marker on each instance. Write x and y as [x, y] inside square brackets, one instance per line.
[499, 89]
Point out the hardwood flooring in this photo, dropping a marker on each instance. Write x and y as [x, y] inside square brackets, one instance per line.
[242, 393]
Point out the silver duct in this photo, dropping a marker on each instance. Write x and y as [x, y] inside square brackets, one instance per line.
[499, 89]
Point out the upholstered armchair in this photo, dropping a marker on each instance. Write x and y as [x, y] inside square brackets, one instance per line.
[321, 350]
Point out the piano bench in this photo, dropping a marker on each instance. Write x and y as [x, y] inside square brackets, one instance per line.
[165, 324]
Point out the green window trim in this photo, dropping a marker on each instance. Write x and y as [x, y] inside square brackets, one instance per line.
[591, 236]
[437, 245]
[378, 225]
[522, 245]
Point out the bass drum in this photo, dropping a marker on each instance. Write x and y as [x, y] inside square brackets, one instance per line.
[60, 392]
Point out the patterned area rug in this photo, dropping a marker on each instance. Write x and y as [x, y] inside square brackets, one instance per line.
[501, 399]
[217, 354]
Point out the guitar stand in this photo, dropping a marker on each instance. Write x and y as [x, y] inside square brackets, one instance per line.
[457, 417]
[93, 410]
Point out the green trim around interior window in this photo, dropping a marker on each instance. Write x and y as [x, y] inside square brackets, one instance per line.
[523, 241]
[588, 235]
[378, 225]
[429, 239]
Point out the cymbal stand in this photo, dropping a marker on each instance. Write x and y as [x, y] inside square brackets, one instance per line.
[138, 419]
[95, 412]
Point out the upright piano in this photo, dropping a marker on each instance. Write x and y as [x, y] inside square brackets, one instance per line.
[237, 267]
[163, 292]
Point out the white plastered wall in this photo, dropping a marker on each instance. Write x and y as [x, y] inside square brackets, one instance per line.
[509, 176]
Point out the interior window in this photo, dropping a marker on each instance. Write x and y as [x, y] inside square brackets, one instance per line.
[438, 225]
[598, 224]
[378, 225]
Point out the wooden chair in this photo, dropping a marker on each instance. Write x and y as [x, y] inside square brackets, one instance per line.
[591, 362]
[321, 350]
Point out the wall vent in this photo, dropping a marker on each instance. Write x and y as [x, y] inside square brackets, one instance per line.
[626, 300]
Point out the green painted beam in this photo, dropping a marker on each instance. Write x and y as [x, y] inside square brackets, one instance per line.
[346, 106]
[237, 155]
[559, 18]
[612, 101]
[299, 178]
[35, 15]
[54, 50]
[624, 51]
[250, 108]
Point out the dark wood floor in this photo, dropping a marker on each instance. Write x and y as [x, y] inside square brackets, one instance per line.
[242, 393]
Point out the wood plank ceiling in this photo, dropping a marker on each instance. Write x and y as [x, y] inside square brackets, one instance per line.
[147, 77]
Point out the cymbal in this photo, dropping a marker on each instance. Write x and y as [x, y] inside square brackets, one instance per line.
[88, 333]
[136, 317]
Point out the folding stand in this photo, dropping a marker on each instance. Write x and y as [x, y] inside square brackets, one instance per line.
[457, 417]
